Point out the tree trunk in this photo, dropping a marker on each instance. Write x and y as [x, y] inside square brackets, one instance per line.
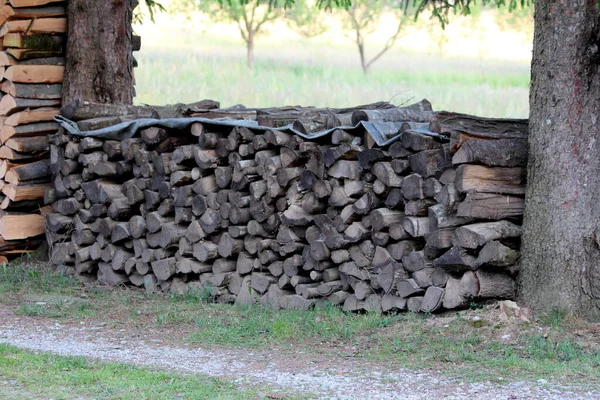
[561, 239]
[250, 50]
[99, 59]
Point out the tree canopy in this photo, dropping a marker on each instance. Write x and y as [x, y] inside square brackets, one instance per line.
[440, 9]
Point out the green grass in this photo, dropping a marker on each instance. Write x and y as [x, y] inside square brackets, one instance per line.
[258, 326]
[478, 352]
[295, 75]
[554, 346]
[29, 375]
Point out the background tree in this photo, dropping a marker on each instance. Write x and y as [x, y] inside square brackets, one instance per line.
[152, 7]
[305, 18]
[250, 16]
[363, 18]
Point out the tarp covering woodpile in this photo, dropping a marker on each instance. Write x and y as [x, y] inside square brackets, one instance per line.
[374, 207]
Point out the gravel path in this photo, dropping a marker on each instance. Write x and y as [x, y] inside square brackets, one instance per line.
[317, 376]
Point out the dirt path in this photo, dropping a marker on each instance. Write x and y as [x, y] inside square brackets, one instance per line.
[318, 376]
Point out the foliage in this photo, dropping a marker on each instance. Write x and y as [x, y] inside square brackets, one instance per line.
[152, 7]
[306, 19]
[440, 9]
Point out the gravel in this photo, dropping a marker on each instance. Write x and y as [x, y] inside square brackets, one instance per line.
[319, 377]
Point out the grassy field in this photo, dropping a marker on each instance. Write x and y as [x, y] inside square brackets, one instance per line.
[475, 344]
[193, 63]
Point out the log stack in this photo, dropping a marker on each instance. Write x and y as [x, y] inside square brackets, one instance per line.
[32, 33]
[250, 215]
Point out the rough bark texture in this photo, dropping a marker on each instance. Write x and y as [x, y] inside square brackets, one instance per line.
[561, 241]
[99, 59]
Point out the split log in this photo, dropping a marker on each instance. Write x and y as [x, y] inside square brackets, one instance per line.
[490, 180]
[456, 259]
[495, 128]
[392, 303]
[407, 288]
[495, 254]
[418, 112]
[491, 206]
[493, 153]
[476, 235]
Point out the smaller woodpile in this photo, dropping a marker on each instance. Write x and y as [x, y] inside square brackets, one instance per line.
[251, 215]
[32, 33]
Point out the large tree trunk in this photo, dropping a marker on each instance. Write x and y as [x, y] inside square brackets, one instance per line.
[561, 240]
[99, 59]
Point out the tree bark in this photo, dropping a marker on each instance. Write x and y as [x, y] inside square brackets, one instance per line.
[250, 50]
[561, 239]
[99, 52]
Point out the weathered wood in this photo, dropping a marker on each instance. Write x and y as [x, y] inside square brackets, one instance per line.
[495, 254]
[440, 238]
[381, 259]
[447, 123]
[456, 259]
[345, 169]
[353, 304]
[454, 296]
[491, 206]
[164, 269]
[108, 276]
[18, 174]
[408, 287]
[415, 261]
[390, 302]
[67, 206]
[204, 251]
[423, 277]
[439, 277]
[493, 153]
[418, 208]
[386, 174]
[476, 235]
[388, 277]
[440, 218]
[418, 112]
[418, 142]
[412, 187]
[416, 226]
[428, 162]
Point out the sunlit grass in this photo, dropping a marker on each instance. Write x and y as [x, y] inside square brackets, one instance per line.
[25, 374]
[297, 75]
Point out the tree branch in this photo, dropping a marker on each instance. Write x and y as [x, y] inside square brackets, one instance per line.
[388, 45]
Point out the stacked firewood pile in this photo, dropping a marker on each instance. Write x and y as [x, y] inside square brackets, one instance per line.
[247, 215]
[32, 34]
[33, 39]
